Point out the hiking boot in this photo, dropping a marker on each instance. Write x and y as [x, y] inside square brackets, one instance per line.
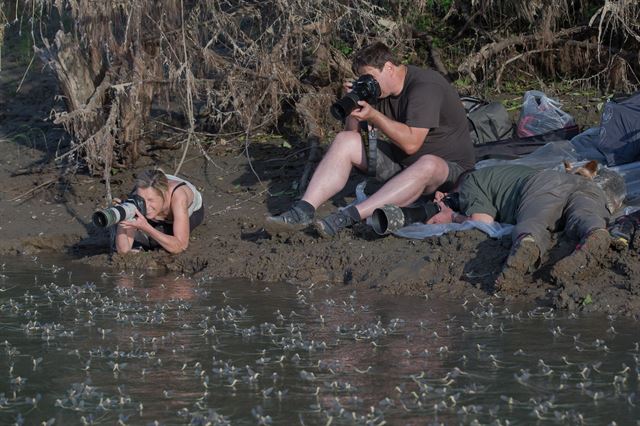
[585, 258]
[334, 223]
[623, 231]
[294, 219]
[522, 259]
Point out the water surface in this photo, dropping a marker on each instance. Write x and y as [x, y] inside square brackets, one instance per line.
[82, 346]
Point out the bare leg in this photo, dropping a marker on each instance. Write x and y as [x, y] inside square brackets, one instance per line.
[331, 175]
[425, 175]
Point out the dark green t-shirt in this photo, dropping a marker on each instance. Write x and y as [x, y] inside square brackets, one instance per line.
[428, 101]
[495, 191]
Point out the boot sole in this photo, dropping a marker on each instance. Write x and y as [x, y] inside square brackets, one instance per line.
[276, 227]
[516, 266]
[321, 230]
[584, 261]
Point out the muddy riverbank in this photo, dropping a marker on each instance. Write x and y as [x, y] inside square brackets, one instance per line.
[44, 209]
[44, 212]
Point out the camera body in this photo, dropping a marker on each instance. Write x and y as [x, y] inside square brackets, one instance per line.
[365, 88]
[124, 211]
[452, 200]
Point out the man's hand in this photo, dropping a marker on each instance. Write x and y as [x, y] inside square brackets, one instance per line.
[446, 215]
[365, 113]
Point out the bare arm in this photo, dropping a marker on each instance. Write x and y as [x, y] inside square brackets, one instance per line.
[477, 217]
[124, 239]
[482, 217]
[409, 139]
[179, 241]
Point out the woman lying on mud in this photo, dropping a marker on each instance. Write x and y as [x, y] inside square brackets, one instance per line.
[173, 209]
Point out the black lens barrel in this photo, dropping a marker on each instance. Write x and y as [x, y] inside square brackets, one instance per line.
[390, 218]
[343, 107]
[365, 88]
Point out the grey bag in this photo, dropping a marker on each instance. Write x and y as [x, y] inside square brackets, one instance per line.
[488, 121]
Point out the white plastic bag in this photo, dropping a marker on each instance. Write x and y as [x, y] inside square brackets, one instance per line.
[541, 114]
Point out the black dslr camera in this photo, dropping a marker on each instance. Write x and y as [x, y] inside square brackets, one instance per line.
[365, 88]
[124, 211]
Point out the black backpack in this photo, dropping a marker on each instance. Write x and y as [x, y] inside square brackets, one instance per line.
[488, 121]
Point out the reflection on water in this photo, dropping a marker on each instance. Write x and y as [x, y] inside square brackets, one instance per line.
[81, 347]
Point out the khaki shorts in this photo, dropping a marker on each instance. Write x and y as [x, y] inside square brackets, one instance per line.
[389, 163]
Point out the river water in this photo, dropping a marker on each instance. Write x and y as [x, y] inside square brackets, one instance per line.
[83, 346]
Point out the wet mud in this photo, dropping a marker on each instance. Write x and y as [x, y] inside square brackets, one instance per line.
[44, 209]
[233, 243]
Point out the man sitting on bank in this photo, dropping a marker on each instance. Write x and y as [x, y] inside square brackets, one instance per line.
[428, 145]
[537, 203]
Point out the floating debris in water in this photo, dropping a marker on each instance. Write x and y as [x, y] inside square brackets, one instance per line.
[138, 349]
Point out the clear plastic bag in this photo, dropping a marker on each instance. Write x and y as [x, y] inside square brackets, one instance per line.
[541, 114]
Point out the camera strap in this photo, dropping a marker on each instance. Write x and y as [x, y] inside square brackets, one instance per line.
[370, 141]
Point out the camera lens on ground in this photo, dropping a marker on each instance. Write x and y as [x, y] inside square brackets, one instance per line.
[390, 218]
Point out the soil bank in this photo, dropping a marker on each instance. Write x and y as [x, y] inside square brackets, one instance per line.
[232, 242]
[42, 210]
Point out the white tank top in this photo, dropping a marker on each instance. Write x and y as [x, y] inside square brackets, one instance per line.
[197, 196]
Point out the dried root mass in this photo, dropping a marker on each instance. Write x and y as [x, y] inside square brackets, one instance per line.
[239, 67]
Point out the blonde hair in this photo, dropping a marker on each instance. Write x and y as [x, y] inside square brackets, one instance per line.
[155, 179]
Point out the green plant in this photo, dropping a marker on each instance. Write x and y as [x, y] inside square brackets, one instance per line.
[423, 22]
[342, 46]
[463, 84]
[440, 4]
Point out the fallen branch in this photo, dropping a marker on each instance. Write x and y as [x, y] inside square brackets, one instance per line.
[488, 51]
[515, 58]
[434, 53]
[33, 190]
[238, 204]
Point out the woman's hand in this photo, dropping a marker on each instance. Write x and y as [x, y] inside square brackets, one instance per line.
[138, 222]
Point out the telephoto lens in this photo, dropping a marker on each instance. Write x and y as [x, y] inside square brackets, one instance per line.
[126, 210]
[390, 218]
[365, 88]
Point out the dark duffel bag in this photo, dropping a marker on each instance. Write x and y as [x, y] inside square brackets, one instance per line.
[517, 147]
[488, 121]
